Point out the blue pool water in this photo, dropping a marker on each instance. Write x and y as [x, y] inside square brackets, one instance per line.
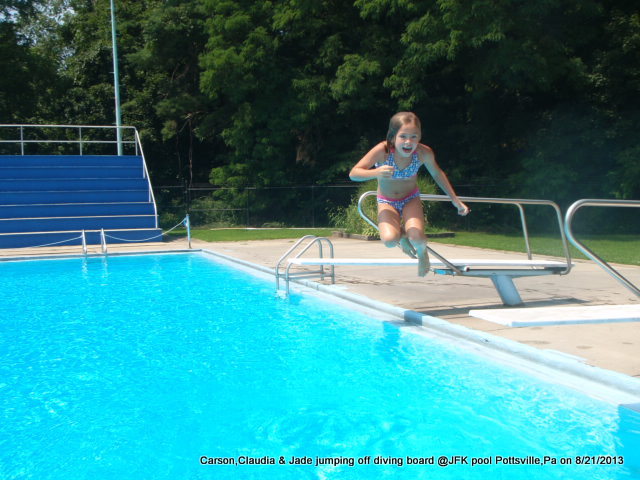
[146, 367]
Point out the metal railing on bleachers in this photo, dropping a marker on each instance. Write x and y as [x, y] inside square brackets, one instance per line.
[31, 149]
[84, 136]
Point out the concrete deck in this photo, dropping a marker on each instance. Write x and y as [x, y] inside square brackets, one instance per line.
[611, 345]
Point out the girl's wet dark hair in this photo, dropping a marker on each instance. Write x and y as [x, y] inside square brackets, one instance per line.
[397, 121]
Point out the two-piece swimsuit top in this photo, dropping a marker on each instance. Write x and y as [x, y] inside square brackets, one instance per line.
[410, 171]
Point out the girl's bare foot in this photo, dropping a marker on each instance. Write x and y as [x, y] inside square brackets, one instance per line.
[407, 248]
[423, 264]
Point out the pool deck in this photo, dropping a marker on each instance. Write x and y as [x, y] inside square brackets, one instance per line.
[611, 345]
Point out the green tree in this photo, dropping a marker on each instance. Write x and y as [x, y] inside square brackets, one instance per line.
[284, 82]
[159, 43]
[518, 98]
[164, 74]
[30, 75]
[297, 84]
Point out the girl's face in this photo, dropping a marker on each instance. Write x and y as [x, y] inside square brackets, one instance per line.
[407, 139]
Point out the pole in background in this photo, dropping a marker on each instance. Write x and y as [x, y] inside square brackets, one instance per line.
[116, 82]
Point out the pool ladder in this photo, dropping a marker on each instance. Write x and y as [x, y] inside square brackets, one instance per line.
[321, 273]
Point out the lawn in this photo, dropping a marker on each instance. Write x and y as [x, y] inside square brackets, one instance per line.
[612, 248]
[245, 234]
[623, 249]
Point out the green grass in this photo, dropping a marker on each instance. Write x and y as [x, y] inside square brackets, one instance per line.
[243, 234]
[623, 249]
[612, 248]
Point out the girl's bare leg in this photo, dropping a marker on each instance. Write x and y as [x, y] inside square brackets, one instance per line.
[389, 225]
[391, 231]
[414, 226]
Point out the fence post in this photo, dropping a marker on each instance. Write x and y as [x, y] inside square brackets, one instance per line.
[84, 243]
[187, 223]
[103, 241]
[313, 206]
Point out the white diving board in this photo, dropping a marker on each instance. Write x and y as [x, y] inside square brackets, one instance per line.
[401, 262]
[501, 272]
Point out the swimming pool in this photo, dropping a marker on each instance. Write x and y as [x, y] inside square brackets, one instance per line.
[170, 366]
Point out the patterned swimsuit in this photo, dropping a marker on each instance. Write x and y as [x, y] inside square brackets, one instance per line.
[410, 171]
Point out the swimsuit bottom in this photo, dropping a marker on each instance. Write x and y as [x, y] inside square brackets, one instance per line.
[399, 203]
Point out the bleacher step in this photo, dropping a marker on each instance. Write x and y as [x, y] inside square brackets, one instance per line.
[75, 209]
[51, 199]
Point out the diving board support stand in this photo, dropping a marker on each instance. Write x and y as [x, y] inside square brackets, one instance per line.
[507, 290]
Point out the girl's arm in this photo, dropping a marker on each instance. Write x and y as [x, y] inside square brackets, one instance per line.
[441, 178]
[362, 170]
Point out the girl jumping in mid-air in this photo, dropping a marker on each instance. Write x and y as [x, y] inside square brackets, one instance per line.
[395, 163]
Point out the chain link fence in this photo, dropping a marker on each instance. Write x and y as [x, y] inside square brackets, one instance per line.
[252, 207]
[309, 206]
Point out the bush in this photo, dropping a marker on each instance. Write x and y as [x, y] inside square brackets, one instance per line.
[169, 220]
[215, 213]
[348, 219]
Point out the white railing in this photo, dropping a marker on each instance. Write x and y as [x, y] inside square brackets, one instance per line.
[152, 197]
[26, 135]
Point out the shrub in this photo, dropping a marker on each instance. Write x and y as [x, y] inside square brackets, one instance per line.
[348, 219]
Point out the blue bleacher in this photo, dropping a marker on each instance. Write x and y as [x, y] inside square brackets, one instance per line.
[47, 199]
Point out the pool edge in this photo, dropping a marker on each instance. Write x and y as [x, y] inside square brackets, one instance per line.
[620, 382]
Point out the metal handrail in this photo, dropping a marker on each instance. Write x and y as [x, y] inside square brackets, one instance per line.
[593, 202]
[517, 202]
[80, 141]
[152, 197]
[312, 240]
[103, 241]
[321, 271]
[285, 255]
[84, 242]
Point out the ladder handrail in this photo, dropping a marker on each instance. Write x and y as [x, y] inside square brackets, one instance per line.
[517, 202]
[313, 239]
[320, 272]
[595, 202]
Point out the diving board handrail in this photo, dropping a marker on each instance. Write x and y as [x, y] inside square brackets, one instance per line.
[517, 202]
[595, 202]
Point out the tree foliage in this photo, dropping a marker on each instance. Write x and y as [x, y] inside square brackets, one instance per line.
[518, 98]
